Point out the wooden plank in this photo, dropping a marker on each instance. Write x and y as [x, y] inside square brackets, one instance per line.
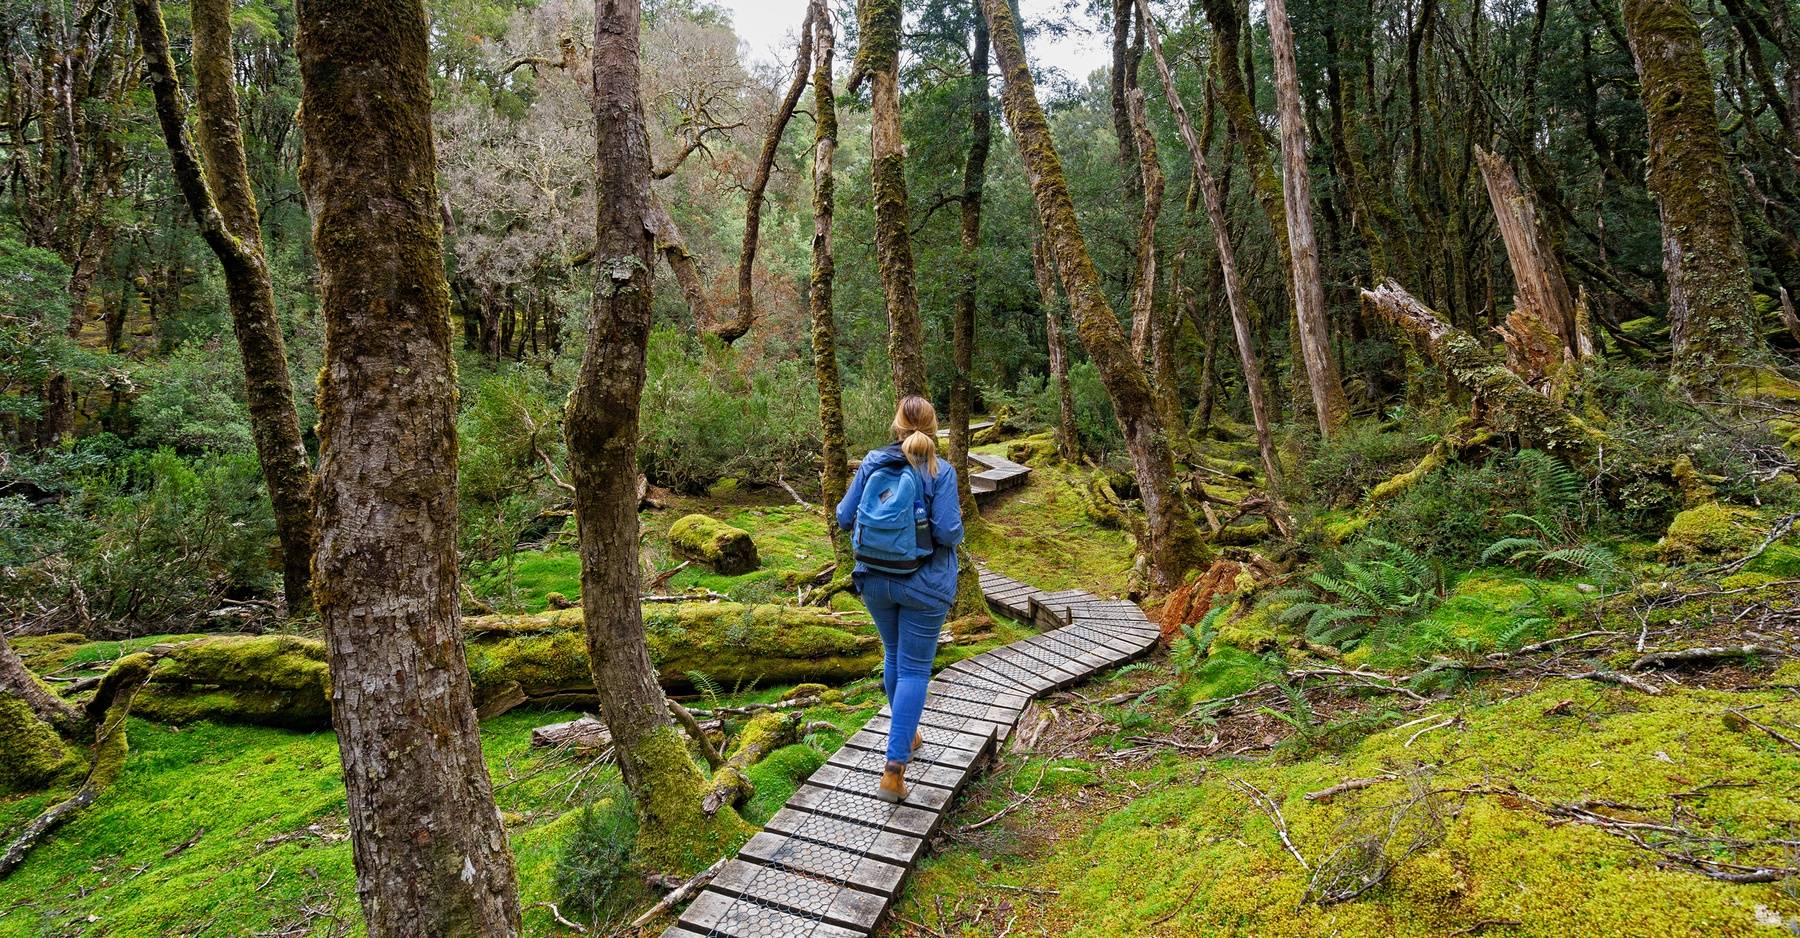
[1009, 699]
[950, 723]
[1046, 664]
[847, 835]
[976, 669]
[851, 869]
[973, 741]
[717, 913]
[931, 752]
[873, 812]
[919, 794]
[810, 896]
[917, 771]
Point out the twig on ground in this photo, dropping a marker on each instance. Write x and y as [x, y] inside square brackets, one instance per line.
[679, 893]
[1422, 731]
[803, 503]
[695, 596]
[1273, 810]
[556, 913]
[1685, 656]
[1353, 784]
[1615, 677]
[1776, 533]
[1739, 714]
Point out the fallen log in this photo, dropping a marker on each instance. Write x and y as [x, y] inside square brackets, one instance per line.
[1702, 655]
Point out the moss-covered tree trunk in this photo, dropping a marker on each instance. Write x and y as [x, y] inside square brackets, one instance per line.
[1171, 538]
[218, 193]
[879, 59]
[1710, 318]
[765, 164]
[834, 474]
[430, 850]
[1213, 195]
[962, 384]
[1310, 316]
[675, 832]
[1151, 184]
[1042, 271]
[1542, 291]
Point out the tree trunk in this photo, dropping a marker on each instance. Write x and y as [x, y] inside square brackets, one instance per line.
[1536, 272]
[681, 263]
[1172, 540]
[431, 853]
[879, 58]
[602, 430]
[1149, 168]
[1214, 197]
[746, 297]
[1066, 444]
[834, 476]
[219, 194]
[1309, 289]
[962, 384]
[1710, 318]
[1122, 78]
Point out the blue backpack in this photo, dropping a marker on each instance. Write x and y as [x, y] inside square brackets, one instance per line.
[893, 525]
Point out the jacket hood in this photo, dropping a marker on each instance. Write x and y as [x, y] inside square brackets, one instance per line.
[889, 455]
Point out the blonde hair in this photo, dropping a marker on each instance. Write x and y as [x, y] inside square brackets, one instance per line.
[915, 426]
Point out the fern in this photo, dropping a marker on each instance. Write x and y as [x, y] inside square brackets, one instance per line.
[707, 687]
[1518, 547]
[1556, 488]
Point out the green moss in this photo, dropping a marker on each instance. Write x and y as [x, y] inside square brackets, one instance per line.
[712, 542]
[674, 835]
[1487, 610]
[776, 777]
[1228, 670]
[1709, 530]
[34, 755]
[267, 680]
[1041, 534]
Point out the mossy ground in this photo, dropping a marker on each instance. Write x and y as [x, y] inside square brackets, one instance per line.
[1041, 533]
[1168, 844]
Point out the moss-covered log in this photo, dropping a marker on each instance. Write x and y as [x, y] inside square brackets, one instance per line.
[282, 680]
[763, 734]
[712, 542]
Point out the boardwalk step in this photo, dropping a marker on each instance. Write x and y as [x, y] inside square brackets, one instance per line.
[829, 862]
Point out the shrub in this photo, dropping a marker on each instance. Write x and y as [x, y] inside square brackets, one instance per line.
[709, 412]
[1337, 472]
[192, 402]
[595, 875]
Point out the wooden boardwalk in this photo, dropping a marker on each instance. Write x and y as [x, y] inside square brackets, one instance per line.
[831, 861]
[998, 475]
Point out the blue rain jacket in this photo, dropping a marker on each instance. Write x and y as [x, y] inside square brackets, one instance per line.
[934, 584]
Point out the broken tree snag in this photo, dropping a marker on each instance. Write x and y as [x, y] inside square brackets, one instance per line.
[1507, 403]
[1309, 286]
[765, 165]
[1541, 288]
[386, 563]
[1214, 197]
[763, 734]
[1172, 541]
[602, 430]
[1710, 319]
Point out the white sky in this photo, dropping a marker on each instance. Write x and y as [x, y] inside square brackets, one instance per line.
[769, 27]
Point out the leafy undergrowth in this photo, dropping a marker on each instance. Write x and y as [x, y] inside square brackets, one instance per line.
[1126, 833]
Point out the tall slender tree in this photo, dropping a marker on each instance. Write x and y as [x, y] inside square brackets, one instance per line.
[834, 476]
[217, 189]
[878, 60]
[1704, 263]
[962, 383]
[431, 852]
[1303, 245]
[1045, 275]
[601, 426]
[1170, 535]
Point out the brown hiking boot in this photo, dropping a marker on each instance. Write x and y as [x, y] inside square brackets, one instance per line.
[893, 783]
[918, 740]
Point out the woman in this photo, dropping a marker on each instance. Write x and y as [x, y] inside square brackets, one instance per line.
[906, 521]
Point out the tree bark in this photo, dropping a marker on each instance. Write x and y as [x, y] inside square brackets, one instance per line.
[834, 475]
[430, 850]
[1710, 318]
[1309, 287]
[962, 384]
[765, 164]
[218, 193]
[602, 431]
[1041, 270]
[1150, 175]
[879, 59]
[1172, 540]
[1214, 197]
[1536, 272]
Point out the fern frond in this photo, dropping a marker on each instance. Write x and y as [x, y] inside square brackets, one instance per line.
[1518, 547]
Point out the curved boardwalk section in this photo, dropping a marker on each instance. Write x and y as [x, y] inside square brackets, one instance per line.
[829, 863]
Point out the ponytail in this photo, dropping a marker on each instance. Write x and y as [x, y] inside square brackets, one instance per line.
[915, 426]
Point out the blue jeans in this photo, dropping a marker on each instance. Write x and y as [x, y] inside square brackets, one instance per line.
[909, 639]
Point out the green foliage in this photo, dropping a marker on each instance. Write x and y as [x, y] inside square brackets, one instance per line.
[193, 401]
[1190, 650]
[34, 310]
[1339, 471]
[1451, 514]
[595, 873]
[1378, 581]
